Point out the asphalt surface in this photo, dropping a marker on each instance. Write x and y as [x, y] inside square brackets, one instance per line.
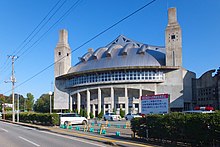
[13, 135]
[73, 137]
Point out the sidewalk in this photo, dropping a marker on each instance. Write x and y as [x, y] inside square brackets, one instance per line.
[109, 138]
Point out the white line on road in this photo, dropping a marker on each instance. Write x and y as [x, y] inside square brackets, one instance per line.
[74, 138]
[29, 128]
[4, 130]
[29, 141]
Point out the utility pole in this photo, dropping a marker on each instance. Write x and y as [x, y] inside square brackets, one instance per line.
[13, 85]
[18, 96]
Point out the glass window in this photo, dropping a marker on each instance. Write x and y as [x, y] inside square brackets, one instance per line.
[121, 75]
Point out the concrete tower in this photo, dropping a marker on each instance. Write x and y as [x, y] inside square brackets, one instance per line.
[62, 55]
[173, 40]
[62, 58]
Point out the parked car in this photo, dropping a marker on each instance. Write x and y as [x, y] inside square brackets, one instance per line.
[72, 118]
[111, 116]
[130, 116]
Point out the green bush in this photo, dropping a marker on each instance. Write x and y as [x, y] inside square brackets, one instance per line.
[8, 116]
[122, 113]
[81, 112]
[100, 115]
[91, 115]
[196, 129]
[37, 118]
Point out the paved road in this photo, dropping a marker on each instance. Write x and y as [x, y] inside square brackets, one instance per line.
[12, 135]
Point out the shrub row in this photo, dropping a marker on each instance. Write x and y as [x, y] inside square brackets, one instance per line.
[196, 129]
[37, 118]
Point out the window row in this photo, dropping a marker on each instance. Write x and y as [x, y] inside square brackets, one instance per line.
[117, 76]
[206, 91]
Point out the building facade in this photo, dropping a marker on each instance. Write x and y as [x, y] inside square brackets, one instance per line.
[115, 76]
[206, 90]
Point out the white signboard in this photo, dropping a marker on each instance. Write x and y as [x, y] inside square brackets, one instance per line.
[7, 105]
[155, 104]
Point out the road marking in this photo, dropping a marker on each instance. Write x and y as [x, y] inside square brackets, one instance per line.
[107, 140]
[29, 141]
[74, 138]
[28, 128]
[4, 130]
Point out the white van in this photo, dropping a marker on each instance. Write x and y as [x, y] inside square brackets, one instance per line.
[72, 118]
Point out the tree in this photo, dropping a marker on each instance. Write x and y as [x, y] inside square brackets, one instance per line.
[43, 103]
[30, 102]
[122, 113]
[5, 99]
[2, 101]
[21, 102]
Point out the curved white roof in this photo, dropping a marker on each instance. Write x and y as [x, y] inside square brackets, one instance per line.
[122, 52]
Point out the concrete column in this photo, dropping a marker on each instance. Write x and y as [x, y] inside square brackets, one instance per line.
[112, 98]
[93, 110]
[88, 103]
[104, 108]
[133, 106]
[99, 100]
[155, 88]
[140, 94]
[78, 102]
[126, 100]
[71, 103]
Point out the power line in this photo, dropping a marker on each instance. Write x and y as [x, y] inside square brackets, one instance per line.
[6, 64]
[126, 17]
[60, 19]
[86, 42]
[42, 24]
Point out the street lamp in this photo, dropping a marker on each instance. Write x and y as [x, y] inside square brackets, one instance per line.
[50, 93]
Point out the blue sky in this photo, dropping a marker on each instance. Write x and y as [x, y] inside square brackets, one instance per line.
[199, 20]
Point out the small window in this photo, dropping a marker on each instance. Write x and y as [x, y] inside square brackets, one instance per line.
[172, 36]
[67, 54]
[128, 41]
[59, 53]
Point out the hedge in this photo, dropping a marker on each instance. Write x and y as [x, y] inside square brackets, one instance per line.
[196, 129]
[37, 118]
